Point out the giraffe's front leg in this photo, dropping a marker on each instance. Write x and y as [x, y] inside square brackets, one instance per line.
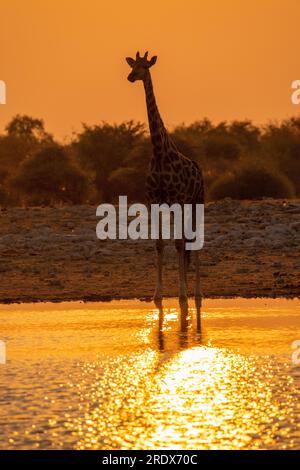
[158, 295]
[198, 293]
[182, 269]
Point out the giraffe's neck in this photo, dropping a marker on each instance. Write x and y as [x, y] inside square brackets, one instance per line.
[159, 136]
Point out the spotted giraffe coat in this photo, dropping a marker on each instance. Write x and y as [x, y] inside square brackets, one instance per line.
[172, 178]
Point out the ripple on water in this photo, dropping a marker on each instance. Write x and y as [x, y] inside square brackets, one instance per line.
[105, 377]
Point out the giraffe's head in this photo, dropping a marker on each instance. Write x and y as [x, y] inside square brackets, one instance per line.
[140, 66]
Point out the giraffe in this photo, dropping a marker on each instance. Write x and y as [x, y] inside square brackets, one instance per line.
[172, 178]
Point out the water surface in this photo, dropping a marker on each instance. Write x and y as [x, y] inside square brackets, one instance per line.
[120, 376]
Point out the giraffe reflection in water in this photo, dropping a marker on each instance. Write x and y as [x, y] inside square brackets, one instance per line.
[184, 323]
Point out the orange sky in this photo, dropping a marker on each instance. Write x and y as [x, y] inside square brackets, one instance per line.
[63, 60]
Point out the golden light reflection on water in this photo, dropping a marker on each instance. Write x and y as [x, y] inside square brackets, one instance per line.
[159, 381]
[200, 398]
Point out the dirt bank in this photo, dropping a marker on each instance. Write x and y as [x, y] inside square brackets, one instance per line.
[52, 254]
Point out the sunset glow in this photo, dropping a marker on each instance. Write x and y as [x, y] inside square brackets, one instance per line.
[226, 59]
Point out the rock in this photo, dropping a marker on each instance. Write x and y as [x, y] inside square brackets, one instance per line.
[242, 270]
[254, 242]
[221, 240]
[277, 229]
[4, 267]
[295, 226]
[55, 283]
[276, 243]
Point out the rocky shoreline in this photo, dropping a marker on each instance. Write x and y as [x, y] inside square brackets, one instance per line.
[252, 249]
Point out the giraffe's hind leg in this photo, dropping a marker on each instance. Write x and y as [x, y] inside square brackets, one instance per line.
[198, 293]
[182, 269]
[158, 294]
[187, 260]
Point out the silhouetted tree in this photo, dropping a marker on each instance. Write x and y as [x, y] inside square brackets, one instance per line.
[28, 128]
[113, 159]
[129, 182]
[246, 135]
[24, 136]
[281, 144]
[104, 148]
[49, 177]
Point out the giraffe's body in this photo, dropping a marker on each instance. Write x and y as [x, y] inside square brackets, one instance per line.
[173, 178]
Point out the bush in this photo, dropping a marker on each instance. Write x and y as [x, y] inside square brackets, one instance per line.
[127, 182]
[220, 147]
[50, 177]
[283, 143]
[104, 148]
[252, 181]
